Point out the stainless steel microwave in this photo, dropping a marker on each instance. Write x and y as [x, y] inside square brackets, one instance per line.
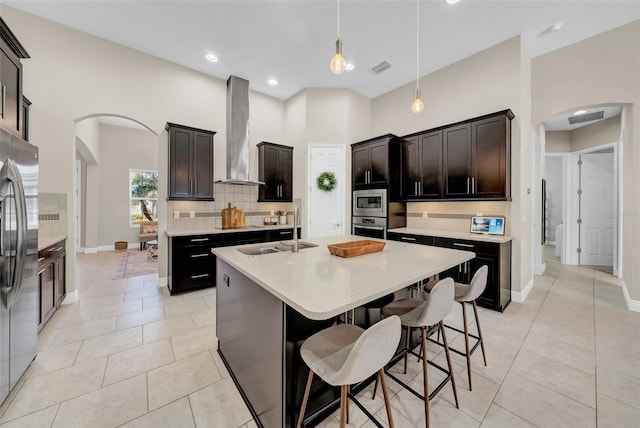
[372, 203]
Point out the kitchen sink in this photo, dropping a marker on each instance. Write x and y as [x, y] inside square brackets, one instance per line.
[281, 247]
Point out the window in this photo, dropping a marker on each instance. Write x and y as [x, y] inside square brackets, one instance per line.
[143, 196]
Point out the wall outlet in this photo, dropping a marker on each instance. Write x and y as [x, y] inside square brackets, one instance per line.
[425, 214]
[176, 214]
[192, 214]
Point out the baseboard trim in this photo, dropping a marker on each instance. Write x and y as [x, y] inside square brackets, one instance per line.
[632, 305]
[520, 297]
[540, 270]
[551, 243]
[70, 298]
[92, 250]
[163, 282]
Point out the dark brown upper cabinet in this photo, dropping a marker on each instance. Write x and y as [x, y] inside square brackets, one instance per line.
[11, 109]
[457, 161]
[275, 169]
[373, 164]
[190, 163]
[422, 166]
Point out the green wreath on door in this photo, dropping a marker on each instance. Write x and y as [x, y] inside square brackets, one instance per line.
[326, 181]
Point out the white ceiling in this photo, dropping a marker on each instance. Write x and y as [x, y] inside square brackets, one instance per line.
[293, 41]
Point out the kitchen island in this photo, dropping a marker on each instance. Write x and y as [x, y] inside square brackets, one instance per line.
[256, 296]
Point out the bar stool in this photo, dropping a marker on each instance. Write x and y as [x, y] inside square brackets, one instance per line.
[468, 293]
[423, 314]
[346, 354]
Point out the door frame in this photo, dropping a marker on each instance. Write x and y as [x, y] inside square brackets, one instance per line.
[571, 232]
[346, 218]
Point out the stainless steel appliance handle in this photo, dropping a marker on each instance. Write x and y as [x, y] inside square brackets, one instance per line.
[10, 173]
[368, 227]
[462, 245]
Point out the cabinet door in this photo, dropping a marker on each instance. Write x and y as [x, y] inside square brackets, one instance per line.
[47, 297]
[180, 184]
[379, 155]
[202, 155]
[457, 161]
[60, 267]
[285, 171]
[489, 155]
[360, 165]
[491, 294]
[10, 93]
[269, 191]
[431, 165]
[410, 171]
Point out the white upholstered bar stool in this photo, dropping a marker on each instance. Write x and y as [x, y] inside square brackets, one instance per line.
[468, 293]
[346, 354]
[423, 314]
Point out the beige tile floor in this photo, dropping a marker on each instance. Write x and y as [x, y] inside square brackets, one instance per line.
[128, 354]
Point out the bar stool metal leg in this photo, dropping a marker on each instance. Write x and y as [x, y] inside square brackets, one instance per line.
[425, 376]
[446, 351]
[466, 342]
[475, 311]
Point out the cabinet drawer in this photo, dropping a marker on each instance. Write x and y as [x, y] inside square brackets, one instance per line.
[462, 244]
[409, 238]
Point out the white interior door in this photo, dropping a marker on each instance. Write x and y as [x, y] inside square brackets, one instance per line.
[597, 208]
[326, 209]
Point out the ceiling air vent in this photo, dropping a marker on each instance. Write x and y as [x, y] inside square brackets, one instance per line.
[383, 66]
[588, 117]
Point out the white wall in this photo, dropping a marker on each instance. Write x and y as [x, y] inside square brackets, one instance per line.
[492, 80]
[607, 66]
[72, 75]
[121, 149]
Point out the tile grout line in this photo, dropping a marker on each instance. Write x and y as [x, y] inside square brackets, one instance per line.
[520, 348]
[55, 416]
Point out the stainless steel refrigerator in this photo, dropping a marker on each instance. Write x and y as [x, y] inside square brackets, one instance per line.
[19, 285]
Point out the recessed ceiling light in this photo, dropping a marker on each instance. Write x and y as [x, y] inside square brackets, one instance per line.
[211, 58]
[579, 112]
[452, 1]
[349, 67]
[272, 82]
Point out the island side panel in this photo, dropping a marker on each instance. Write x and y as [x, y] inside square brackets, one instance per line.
[250, 325]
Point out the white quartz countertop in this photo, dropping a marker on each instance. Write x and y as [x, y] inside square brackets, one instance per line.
[172, 233]
[320, 286]
[45, 241]
[454, 235]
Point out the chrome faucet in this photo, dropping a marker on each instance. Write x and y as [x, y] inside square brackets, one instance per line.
[296, 219]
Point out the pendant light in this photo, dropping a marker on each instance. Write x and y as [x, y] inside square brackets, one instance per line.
[337, 62]
[417, 105]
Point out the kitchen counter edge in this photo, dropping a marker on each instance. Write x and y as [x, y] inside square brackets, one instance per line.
[453, 235]
[173, 233]
[45, 241]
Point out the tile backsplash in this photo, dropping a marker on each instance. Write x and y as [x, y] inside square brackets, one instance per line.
[52, 214]
[455, 216]
[205, 215]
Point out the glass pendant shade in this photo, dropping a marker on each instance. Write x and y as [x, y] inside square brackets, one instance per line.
[417, 105]
[338, 62]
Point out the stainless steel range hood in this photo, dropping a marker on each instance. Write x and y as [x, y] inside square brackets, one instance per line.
[238, 147]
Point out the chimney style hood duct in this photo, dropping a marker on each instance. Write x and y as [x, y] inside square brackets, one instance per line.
[238, 147]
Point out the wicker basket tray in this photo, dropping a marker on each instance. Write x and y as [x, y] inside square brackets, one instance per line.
[355, 248]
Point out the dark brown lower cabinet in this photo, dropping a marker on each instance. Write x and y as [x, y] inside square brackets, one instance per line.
[51, 280]
[497, 257]
[193, 266]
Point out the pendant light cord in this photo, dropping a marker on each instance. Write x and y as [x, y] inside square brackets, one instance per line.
[338, 12]
[417, 44]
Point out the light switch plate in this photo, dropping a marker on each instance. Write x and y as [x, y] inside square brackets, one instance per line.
[425, 214]
[192, 214]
